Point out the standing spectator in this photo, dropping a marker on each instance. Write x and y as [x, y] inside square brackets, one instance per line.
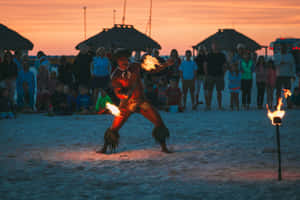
[42, 60]
[65, 72]
[52, 82]
[43, 95]
[234, 86]
[200, 60]
[173, 72]
[161, 60]
[174, 94]
[82, 66]
[214, 69]
[285, 70]
[19, 82]
[247, 68]
[271, 82]
[261, 75]
[100, 71]
[188, 71]
[28, 86]
[9, 72]
[237, 57]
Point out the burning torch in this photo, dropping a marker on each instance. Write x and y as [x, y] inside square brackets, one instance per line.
[276, 119]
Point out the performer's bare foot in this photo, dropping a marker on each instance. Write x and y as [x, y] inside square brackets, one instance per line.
[165, 149]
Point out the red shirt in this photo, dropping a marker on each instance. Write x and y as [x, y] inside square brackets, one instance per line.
[174, 96]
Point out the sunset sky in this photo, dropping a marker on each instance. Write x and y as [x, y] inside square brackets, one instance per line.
[56, 26]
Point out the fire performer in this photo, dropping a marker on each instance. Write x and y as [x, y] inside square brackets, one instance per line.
[128, 87]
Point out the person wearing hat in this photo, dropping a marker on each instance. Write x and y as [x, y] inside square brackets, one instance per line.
[128, 87]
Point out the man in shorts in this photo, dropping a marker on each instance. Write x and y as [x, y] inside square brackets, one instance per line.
[214, 69]
[188, 71]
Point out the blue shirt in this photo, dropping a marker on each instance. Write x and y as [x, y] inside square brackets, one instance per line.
[101, 66]
[83, 101]
[234, 84]
[188, 69]
[28, 77]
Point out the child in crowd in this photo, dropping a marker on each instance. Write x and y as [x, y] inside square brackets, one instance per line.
[71, 98]
[174, 95]
[84, 101]
[271, 82]
[59, 102]
[161, 91]
[101, 102]
[295, 98]
[151, 94]
[28, 87]
[6, 105]
[234, 86]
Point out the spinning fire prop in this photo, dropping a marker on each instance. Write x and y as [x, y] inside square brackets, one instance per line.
[276, 118]
[149, 63]
[113, 109]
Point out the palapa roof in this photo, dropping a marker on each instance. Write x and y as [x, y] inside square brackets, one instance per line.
[11, 40]
[228, 39]
[121, 36]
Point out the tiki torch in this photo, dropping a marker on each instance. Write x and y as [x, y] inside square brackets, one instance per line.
[276, 119]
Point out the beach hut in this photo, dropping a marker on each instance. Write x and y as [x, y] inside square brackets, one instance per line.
[11, 40]
[121, 36]
[228, 39]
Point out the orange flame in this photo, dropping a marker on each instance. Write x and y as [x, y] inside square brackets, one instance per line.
[287, 93]
[113, 109]
[278, 112]
[149, 63]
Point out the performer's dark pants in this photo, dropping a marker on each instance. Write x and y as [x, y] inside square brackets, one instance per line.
[139, 106]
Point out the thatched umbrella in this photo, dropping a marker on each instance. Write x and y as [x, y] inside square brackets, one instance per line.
[11, 40]
[228, 39]
[121, 36]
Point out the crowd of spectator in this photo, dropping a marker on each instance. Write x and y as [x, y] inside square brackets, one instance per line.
[84, 85]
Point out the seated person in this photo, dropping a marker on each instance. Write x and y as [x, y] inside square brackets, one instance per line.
[43, 94]
[101, 102]
[59, 102]
[151, 94]
[174, 95]
[295, 98]
[162, 97]
[84, 101]
[71, 98]
[6, 105]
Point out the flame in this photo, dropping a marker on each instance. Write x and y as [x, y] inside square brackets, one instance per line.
[149, 63]
[113, 109]
[278, 112]
[287, 93]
